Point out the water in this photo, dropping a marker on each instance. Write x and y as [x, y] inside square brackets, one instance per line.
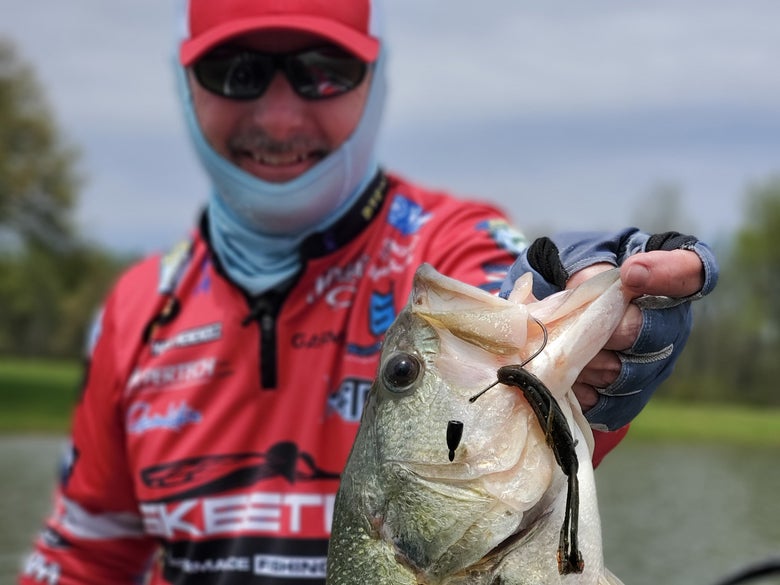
[688, 514]
[28, 470]
[672, 514]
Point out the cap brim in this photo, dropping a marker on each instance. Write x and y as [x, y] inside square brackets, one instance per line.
[364, 46]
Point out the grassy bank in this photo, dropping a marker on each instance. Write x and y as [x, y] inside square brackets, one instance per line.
[712, 423]
[38, 396]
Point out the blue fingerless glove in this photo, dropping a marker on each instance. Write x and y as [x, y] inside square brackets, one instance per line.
[666, 321]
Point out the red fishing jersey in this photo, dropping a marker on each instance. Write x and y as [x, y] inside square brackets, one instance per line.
[213, 426]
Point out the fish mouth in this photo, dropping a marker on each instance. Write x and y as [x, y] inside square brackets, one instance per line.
[427, 472]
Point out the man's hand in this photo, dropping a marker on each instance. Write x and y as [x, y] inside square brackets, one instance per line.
[674, 273]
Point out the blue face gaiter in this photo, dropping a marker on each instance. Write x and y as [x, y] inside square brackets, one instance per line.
[257, 226]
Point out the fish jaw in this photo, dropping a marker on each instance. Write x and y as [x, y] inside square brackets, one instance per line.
[578, 322]
[468, 312]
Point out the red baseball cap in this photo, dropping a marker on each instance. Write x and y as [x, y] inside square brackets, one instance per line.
[346, 23]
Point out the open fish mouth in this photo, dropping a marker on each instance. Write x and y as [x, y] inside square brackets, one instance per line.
[445, 486]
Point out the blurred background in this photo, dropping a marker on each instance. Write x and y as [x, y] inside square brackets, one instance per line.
[598, 115]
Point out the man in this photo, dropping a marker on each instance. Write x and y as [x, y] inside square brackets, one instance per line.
[227, 378]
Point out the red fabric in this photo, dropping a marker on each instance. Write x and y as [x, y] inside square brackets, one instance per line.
[345, 22]
[606, 441]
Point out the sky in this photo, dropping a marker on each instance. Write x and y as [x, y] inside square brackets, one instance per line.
[568, 115]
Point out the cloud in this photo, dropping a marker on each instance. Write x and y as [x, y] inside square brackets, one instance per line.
[605, 54]
[567, 114]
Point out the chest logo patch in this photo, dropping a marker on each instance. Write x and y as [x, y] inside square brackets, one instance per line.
[141, 417]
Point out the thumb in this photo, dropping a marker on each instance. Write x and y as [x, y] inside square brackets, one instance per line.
[673, 273]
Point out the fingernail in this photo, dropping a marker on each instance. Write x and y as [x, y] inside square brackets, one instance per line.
[637, 276]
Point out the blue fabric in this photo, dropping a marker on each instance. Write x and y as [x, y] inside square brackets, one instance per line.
[666, 322]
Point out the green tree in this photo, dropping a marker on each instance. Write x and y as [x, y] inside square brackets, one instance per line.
[38, 182]
[733, 351]
[51, 281]
[754, 269]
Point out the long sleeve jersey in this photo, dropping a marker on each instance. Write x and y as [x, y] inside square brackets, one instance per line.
[212, 428]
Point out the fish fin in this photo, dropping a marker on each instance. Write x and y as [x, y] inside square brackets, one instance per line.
[609, 579]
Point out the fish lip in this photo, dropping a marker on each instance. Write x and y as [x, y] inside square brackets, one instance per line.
[444, 474]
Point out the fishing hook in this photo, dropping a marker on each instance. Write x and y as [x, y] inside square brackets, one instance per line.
[536, 353]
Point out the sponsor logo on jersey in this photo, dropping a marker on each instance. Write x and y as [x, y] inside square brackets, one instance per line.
[141, 418]
[290, 567]
[174, 375]
[249, 513]
[210, 565]
[504, 235]
[204, 284]
[246, 560]
[381, 312]
[172, 266]
[406, 216]
[195, 509]
[375, 201]
[350, 397]
[338, 283]
[315, 340]
[495, 274]
[41, 570]
[393, 258]
[188, 338]
[246, 537]
[209, 474]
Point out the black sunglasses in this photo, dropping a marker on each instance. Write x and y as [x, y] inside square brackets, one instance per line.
[314, 74]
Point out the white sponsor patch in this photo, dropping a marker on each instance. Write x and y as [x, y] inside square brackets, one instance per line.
[290, 567]
[259, 512]
[196, 336]
[141, 418]
[183, 374]
[41, 570]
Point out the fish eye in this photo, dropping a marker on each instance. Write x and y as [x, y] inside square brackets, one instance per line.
[400, 371]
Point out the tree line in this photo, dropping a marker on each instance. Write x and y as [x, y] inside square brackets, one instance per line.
[733, 353]
[52, 280]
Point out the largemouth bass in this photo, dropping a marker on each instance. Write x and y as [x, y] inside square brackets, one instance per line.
[472, 464]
